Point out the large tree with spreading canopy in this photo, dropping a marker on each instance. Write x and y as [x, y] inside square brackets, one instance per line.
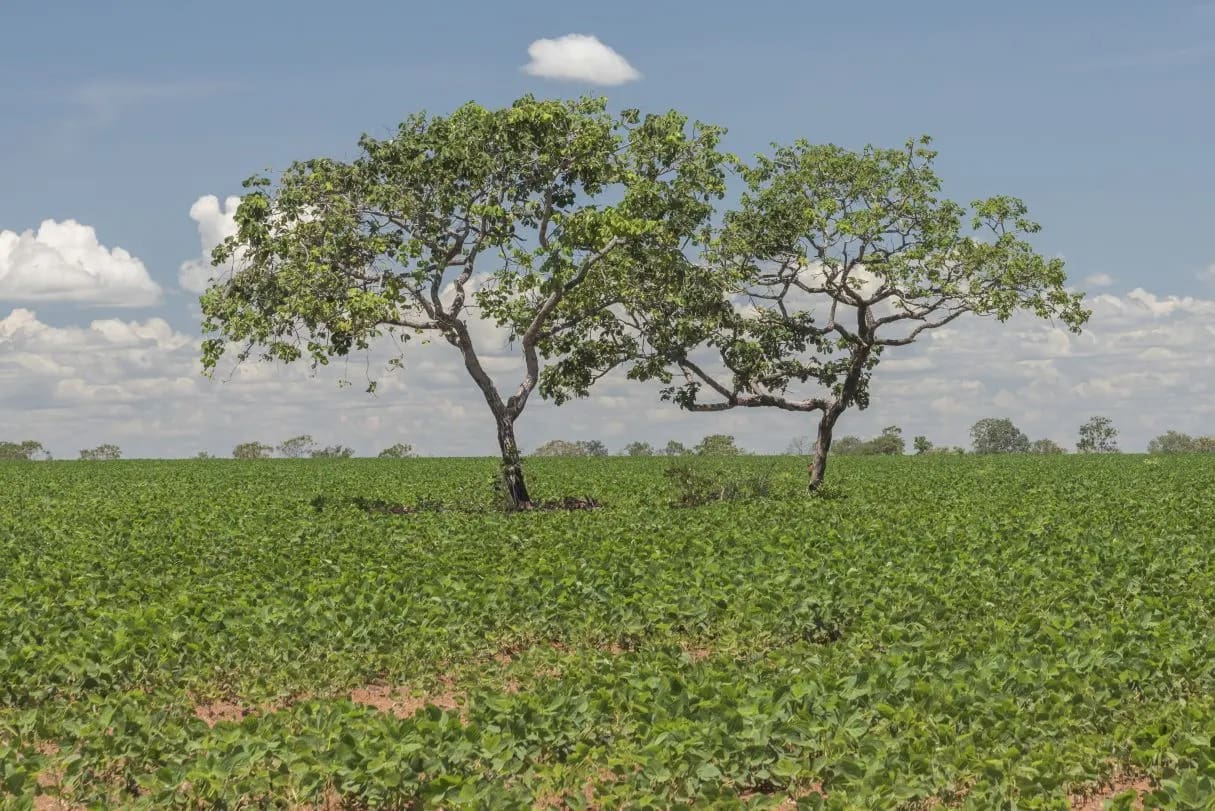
[546, 218]
[831, 258]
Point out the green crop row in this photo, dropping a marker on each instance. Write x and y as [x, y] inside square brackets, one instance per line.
[968, 632]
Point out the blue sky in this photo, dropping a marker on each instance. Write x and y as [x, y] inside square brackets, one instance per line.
[1098, 114]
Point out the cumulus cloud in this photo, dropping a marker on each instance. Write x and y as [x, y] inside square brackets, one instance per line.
[1099, 280]
[579, 58]
[64, 261]
[1141, 360]
[216, 222]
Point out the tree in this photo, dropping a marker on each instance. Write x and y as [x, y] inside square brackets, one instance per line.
[674, 448]
[717, 445]
[593, 447]
[848, 446]
[921, 445]
[798, 446]
[24, 451]
[832, 258]
[638, 449]
[1098, 435]
[400, 450]
[252, 450]
[102, 453]
[1046, 446]
[560, 447]
[204, 455]
[333, 452]
[998, 435]
[541, 217]
[889, 443]
[1177, 442]
[297, 447]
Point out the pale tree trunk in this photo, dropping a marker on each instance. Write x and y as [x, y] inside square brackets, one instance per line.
[512, 466]
[822, 445]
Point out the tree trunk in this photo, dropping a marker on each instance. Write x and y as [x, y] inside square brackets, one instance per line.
[822, 444]
[512, 467]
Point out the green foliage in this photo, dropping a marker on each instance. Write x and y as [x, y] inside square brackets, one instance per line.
[1098, 435]
[252, 450]
[102, 453]
[998, 435]
[975, 632]
[297, 447]
[1046, 446]
[24, 451]
[1177, 442]
[888, 443]
[539, 217]
[922, 445]
[675, 448]
[717, 445]
[593, 447]
[696, 485]
[333, 452]
[401, 450]
[638, 449]
[832, 258]
[560, 447]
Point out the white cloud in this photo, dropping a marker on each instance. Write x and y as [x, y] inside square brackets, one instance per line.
[1099, 280]
[63, 261]
[1141, 361]
[216, 222]
[579, 58]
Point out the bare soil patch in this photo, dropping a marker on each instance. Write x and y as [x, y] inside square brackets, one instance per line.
[1119, 784]
[401, 702]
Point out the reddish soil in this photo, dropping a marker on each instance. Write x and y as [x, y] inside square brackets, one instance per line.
[400, 702]
[233, 712]
[1096, 801]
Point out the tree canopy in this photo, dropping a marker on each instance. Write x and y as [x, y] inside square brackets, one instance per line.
[538, 217]
[998, 435]
[831, 258]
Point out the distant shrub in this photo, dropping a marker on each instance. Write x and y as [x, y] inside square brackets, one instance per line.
[695, 485]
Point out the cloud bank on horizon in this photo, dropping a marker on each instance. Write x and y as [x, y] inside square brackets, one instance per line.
[138, 383]
[579, 58]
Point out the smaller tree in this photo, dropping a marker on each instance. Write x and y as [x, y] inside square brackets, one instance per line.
[204, 455]
[1098, 435]
[1046, 446]
[252, 450]
[297, 447]
[674, 448]
[102, 453]
[638, 449]
[593, 447]
[560, 447]
[333, 452]
[1177, 442]
[921, 445]
[23, 451]
[848, 446]
[401, 450]
[888, 443]
[998, 435]
[717, 445]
